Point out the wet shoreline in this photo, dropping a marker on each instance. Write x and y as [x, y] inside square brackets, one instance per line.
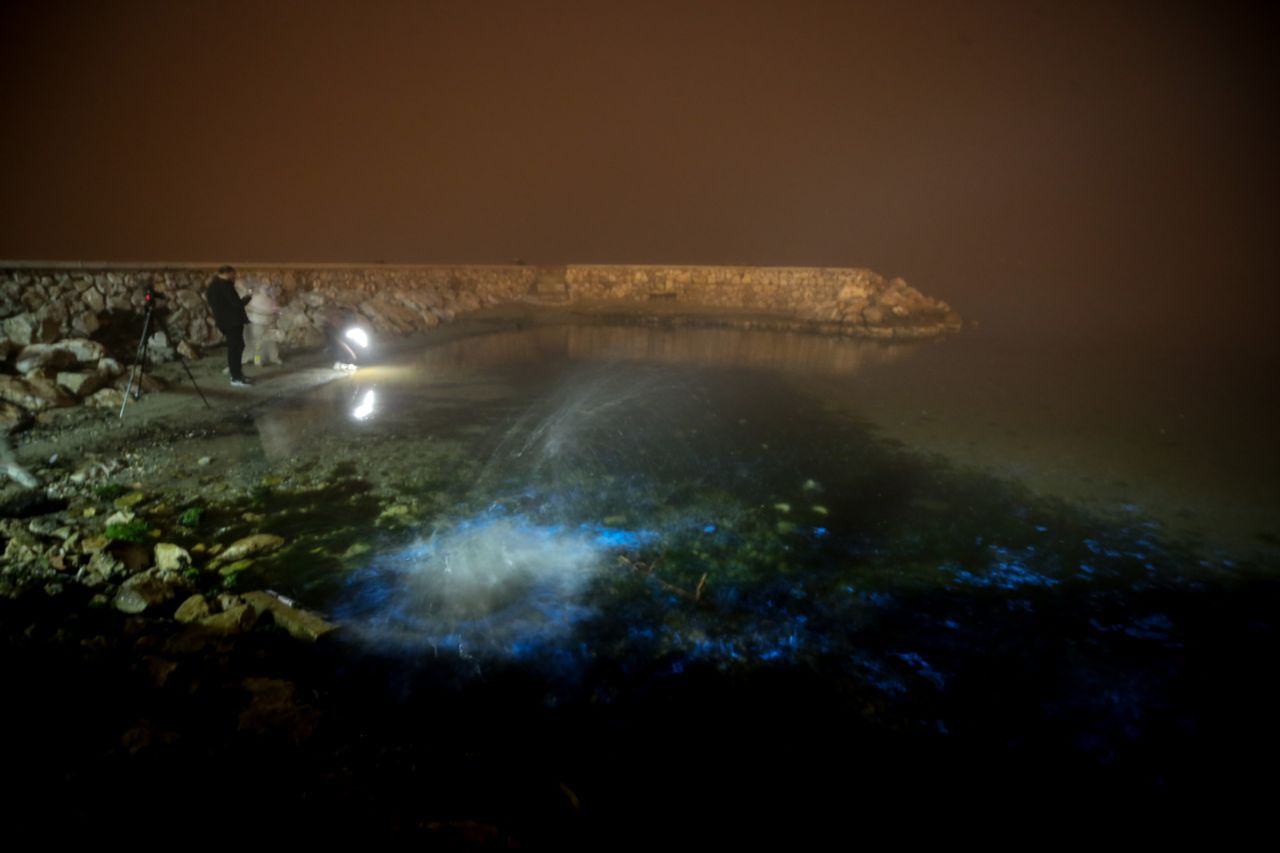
[338, 738]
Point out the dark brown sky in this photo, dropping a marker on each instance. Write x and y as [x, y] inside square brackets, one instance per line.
[1008, 156]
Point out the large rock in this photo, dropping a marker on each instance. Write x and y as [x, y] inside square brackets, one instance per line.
[171, 558]
[13, 418]
[106, 398]
[85, 350]
[34, 395]
[43, 356]
[103, 567]
[27, 328]
[94, 300]
[159, 349]
[85, 323]
[82, 384]
[386, 315]
[234, 619]
[250, 546]
[195, 608]
[148, 590]
[300, 623]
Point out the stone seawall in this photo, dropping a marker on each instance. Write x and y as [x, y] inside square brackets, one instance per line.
[838, 299]
[67, 330]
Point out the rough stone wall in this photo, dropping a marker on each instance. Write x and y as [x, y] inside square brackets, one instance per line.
[66, 330]
[859, 300]
[46, 305]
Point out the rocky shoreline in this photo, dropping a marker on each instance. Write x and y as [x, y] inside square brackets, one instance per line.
[149, 676]
[132, 583]
[68, 332]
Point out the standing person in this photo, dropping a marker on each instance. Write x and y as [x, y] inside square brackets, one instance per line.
[230, 316]
[262, 311]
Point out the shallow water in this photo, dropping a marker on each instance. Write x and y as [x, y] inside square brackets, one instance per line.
[604, 538]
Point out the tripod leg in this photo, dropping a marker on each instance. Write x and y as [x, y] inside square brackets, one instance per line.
[193, 381]
[138, 359]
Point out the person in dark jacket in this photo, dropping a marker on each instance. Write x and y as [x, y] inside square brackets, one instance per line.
[230, 316]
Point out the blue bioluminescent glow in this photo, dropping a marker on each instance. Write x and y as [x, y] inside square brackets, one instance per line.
[492, 585]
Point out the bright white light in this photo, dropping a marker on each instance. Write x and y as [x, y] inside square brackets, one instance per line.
[357, 334]
[365, 408]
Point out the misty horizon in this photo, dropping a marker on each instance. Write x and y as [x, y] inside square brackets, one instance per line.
[1009, 158]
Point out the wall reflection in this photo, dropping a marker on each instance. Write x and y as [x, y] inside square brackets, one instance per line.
[786, 351]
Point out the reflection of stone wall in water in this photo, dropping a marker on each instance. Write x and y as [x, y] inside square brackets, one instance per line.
[728, 347]
[703, 346]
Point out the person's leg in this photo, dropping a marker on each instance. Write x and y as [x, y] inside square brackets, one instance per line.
[235, 349]
[250, 347]
[272, 344]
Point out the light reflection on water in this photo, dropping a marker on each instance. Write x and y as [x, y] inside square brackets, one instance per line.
[619, 514]
[662, 515]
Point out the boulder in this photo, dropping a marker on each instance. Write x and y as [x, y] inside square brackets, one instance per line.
[107, 398]
[38, 356]
[82, 384]
[86, 351]
[236, 619]
[35, 395]
[171, 558]
[148, 590]
[24, 328]
[158, 348]
[193, 609]
[102, 568]
[387, 315]
[93, 300]
[85, 323]
[13, 418]
[22, 547]
[300, 623]
[250, 546]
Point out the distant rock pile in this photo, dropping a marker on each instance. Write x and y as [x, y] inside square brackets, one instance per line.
[840, 300]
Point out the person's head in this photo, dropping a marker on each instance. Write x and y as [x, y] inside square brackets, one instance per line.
[227, 271]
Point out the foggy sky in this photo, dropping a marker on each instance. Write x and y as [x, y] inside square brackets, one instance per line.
[1014, 158]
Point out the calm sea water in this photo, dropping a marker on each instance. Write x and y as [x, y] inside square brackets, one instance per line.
[1050, 569]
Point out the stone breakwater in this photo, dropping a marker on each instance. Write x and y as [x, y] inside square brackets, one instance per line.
[842, 300]
[68, 331]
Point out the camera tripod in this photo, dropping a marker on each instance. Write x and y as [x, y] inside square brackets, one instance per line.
[140, 358]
